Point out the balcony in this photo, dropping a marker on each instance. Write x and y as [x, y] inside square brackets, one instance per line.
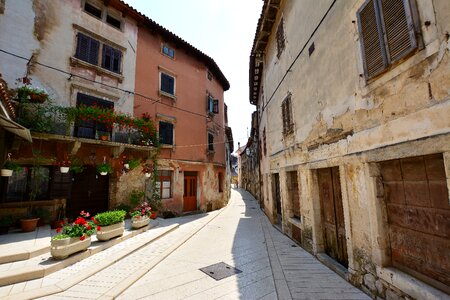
[89, 125]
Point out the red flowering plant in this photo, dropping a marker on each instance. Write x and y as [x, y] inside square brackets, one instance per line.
[141, 210]
[147, 168]
[81, 228]
[64, 163]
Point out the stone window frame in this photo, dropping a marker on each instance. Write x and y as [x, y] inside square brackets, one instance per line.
[280, 37]
[287, 115]
[105, 12]
[162, 70]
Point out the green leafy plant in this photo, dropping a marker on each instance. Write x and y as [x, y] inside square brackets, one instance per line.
[109, 217]
[29, 93]
[76, 165]
[80, 228]
[10, 165]
[133, 163]
[141, 210]
[6, 221]
[136, 197]
[105, 168]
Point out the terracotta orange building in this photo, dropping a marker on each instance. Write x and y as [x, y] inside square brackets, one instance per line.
[182, 89]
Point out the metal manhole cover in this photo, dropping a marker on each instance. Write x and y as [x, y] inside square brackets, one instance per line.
[220, 271]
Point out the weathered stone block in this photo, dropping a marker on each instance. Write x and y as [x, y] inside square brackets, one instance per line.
[369, 281]
[391, 295]
[380, 287]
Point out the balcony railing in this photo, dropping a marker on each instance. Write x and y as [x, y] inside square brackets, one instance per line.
[87, 122]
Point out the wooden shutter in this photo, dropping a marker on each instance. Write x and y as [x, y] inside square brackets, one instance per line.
[167, 84]
[111, 59]
[166, 133]
[210, 142]
[93, 51]
[374, 56]
[398, 27]
[215, 106]
[283, 115]
[87, 49]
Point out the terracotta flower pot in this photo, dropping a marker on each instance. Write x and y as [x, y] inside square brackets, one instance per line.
[154, 215]
[104, 137]
[29, 225]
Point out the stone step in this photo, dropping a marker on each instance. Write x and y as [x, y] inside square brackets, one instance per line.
[43, 265]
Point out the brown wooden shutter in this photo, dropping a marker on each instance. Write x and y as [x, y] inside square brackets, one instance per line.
[283, 115]
[399, 28]
[374, 57]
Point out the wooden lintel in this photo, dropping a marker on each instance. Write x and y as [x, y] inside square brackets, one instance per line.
[117, 151]
[73, 147]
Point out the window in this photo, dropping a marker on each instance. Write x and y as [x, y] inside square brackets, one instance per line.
[168, 51]
[164, 184]
[225, 109]
[286, 110]
[264, 142]
[165, 133]
[280, 38]
[220, 179]
[212, 105]
[92, 129]
[387, 34]
[88, 50]
[93, 10]
[114, 22]
[111, 59]
[210, 141]
[20, 184]
[167, 84]
[209, 75]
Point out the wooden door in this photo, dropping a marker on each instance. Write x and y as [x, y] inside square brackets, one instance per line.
[277, 197]
[89, 193]
[416, 197]
[190, 193]
[332, 214]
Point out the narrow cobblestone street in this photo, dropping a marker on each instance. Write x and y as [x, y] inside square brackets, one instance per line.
[240, 235]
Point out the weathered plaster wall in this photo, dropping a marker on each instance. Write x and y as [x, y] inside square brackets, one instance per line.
[342, 120]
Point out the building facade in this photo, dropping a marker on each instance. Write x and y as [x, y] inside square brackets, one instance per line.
[182, 89]
[353, 104]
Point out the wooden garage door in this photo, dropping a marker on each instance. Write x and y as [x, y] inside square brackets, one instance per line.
[416, 195]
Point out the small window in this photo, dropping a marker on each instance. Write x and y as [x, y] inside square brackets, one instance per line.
[164, 184]
[280, 38]
[167, 84]
[87, 49]
[168, 51]
[286, 111]
[387, 34]
[114, 22]
[210, 141]
[21, 184]
[93, 10]
[165, 133]
[212, 105]
[111, 59]
[209, 76]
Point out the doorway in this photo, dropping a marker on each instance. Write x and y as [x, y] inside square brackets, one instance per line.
[332, 212]
[89, 193]
[277, 197]
[190, 191]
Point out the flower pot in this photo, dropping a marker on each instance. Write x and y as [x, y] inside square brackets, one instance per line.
[37, 98]
[64, 169]
[61, 249]
[103, 173]
[147, 175]
[29, 225]
[139, 221]
[6, 172]
[108, 232]
[104, 137]
[154, 215]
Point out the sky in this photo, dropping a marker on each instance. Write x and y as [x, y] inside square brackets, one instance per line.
[223, 30]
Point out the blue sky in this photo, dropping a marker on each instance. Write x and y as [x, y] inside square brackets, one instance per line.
[222, 29]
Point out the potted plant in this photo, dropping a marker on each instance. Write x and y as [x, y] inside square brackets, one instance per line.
[147, 170]
[155, 203]
[32, 94]
[9, 167]
[72, 238]
[64, 166]
[104, 168]
[76, 165]
[140, 215]
[5, 223]
[110, 224]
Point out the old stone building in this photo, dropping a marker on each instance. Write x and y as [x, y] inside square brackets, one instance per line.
[353, 116]
[84, 54]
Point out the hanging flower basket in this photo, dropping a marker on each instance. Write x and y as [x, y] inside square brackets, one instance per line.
[6, 172]
[104, 168]
[147, 175]
[64, 169]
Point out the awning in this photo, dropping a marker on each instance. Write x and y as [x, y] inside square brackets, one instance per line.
[15, 128]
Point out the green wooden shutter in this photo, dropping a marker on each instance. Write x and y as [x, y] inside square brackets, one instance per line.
[398, 26]
[371, 37]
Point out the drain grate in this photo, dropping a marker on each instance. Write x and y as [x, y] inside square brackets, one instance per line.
[220, 271]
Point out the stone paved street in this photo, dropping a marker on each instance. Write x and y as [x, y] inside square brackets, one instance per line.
[239, 235]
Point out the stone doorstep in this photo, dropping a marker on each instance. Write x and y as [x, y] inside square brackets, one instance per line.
[14, 254]
[39, 271]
